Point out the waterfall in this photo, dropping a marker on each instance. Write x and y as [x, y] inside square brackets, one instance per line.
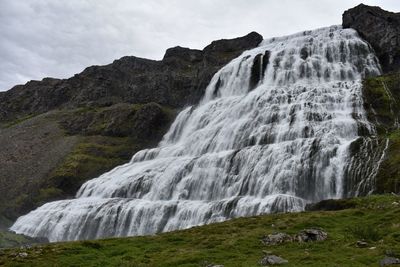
[271, 134]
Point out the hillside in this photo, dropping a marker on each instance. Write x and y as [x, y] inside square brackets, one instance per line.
[373, 219]
[65, 132]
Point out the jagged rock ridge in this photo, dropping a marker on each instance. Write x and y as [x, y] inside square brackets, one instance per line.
[178, 79]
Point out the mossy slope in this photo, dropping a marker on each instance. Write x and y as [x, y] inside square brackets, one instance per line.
[382, 102]
[101, 139]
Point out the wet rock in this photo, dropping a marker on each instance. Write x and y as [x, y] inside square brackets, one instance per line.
[362, 244]
[381, 29]
[311, 235]
[275, 239]
[272, 260]
[331, 204]
[387, 261]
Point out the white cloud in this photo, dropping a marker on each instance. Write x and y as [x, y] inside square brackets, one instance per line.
[57, 38]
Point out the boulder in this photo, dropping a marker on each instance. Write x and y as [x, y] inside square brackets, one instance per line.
[272, 260]
[387, 261]
[275, 239]
[311, 235]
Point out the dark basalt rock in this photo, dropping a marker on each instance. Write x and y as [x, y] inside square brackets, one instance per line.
[381, 29]
[179, 79]
[258, 68]
[119, 120]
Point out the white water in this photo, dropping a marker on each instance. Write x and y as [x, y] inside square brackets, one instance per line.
[240, 152]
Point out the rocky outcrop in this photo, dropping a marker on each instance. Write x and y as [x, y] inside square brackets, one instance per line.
[381, 29]
[381, 97]
[177, 80]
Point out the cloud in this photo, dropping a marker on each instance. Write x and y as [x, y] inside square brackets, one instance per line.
[58, 38]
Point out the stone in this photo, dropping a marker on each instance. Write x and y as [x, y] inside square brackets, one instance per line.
[387, 261]
[275, 239]
[361, 244]
[381, 29]
[22, 255]
[208, 264]
[311, 235]
[272, 260]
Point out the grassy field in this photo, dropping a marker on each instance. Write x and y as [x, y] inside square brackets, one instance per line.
[375, 219]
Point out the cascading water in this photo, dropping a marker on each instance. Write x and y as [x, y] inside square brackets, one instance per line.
[271, 134]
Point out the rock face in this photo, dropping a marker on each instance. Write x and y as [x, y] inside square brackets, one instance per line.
[56, 134]
[177, 80]
[381, 29]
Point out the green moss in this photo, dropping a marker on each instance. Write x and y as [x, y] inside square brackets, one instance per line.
[9, 239]
[93, 156]
[45, 194]
[381, 104]
[237, 242]
[388, 177]
[383, 109]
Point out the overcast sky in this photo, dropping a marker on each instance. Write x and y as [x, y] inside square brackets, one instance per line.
[58, 38]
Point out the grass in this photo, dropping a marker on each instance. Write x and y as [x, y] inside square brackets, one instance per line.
[237, 242]
[365, 232]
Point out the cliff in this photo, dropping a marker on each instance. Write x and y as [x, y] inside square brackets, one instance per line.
[381, 94]
[56, 134]
[381, 29]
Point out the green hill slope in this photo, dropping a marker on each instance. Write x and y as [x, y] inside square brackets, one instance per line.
[375, 219]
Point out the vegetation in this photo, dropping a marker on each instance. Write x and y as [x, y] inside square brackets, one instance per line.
[100, 138]
[237, 242]
[382, 99]
[93, 156]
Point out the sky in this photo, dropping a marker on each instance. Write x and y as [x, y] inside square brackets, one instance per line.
[58, 38]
